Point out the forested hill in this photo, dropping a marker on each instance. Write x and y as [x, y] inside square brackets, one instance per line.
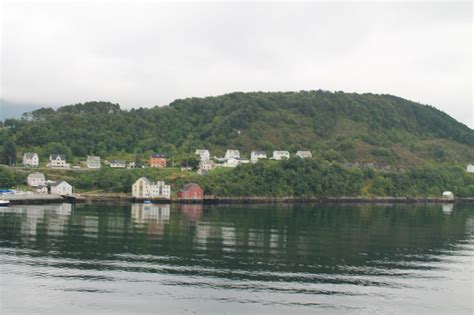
[335, 126]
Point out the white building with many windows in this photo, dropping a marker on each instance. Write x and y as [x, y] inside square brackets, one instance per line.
[30, 159]
[144, 188]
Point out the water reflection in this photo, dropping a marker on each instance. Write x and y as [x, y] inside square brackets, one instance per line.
[296, 256]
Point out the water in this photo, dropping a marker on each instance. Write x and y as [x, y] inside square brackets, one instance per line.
[287, 259]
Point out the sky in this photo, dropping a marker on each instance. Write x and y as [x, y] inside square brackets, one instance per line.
[147, 53]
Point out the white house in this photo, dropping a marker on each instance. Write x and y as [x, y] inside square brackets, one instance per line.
[144, 188]
[257, 154]
[470, 168]
[36, 179]
[304, 154]
[448, 195]
[280, 155]
[206, 166]
[57, 161]
[232, 162]
[203, 154]
[61, 188]
[118, 164]
[30, 159]
[93, 161]
[232, 154]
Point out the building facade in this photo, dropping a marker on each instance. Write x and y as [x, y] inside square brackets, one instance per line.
[118, 164]
[257, 155]
[304, 154]
[232, 154]
[157, 160]
[204, 155]
[93, 162]
[61, 188]
[470, 168]
[280, 155]
[191, 192]
[30, 159]
[58, 161]
[144, 188]
[36, 179]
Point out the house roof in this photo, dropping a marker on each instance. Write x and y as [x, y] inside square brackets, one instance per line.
[36, 175]
[54, 156]
[158, 155]
[93, 158]
[29, 155]
[145, 179]
[118, 162]
[190, 186]
[59, 182]
[259, 152]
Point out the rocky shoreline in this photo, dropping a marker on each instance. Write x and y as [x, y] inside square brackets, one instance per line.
[45, 199]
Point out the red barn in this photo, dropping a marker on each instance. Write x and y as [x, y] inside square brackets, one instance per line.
[191, 192]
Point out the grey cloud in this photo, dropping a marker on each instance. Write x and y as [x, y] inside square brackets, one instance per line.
[148, 53]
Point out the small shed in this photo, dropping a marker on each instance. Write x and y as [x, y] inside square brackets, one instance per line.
[448, 195]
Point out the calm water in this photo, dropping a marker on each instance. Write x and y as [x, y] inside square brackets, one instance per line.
[188, 259]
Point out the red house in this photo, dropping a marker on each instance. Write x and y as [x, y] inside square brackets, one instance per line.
[158, 160]
[191, 192]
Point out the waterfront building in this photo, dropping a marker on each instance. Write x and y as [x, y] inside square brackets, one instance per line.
[204, 155]
[158, 160]
[30, 159]
[448, 195]
[61, 188]
[280, 155]
[144, 188]
[257, 155]
[304, 154]
[191, 192]
[36, 179]
[93, 162]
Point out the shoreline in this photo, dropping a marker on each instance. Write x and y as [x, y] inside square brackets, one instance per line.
[48, 199]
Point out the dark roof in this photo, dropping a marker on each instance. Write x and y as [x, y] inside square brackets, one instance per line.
[158, 155]
[58, 182]
[29, 155]
[190, 186]
[54, 156]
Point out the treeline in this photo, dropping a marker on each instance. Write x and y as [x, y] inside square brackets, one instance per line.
[335, 126]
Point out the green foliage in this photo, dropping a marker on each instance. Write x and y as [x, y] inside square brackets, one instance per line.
[8, 153]
[7, 178]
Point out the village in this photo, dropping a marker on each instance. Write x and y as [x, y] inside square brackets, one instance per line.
[144, 188]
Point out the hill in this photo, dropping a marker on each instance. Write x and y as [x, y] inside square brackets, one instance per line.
[343, 127]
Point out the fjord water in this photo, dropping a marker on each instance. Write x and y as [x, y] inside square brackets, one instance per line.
[289, 259]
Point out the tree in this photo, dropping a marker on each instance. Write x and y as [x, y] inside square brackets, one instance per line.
[8, 156]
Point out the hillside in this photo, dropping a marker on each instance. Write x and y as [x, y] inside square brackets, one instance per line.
[343, 127]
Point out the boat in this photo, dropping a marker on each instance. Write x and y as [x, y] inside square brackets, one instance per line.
[4, 203]
[147, 202]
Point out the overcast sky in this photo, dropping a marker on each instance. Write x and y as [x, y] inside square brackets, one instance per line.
[141, 54]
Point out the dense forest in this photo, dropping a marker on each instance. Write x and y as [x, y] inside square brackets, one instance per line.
[335, 126]
[423, 150]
